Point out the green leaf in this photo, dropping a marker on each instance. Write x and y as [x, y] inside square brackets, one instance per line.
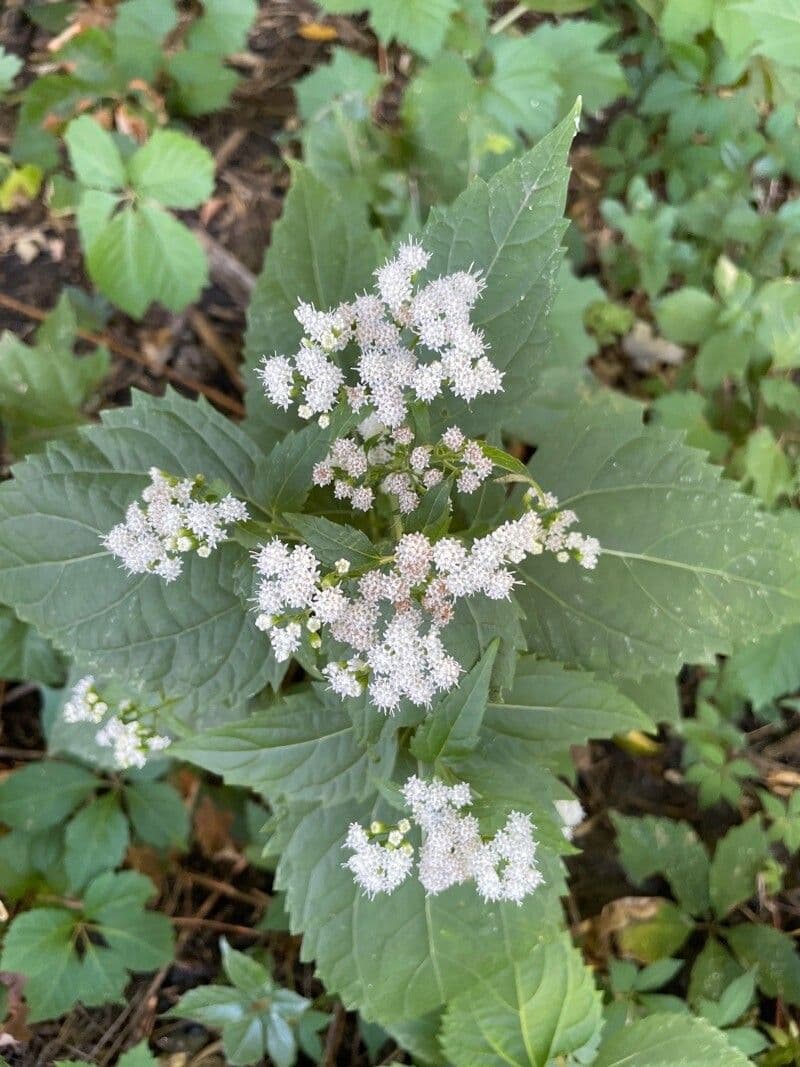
[44, 388]
[658, 931]
[687, 316]
[157, 814]
[139, 28]
[553, 709]
[96, 840]
[349, 77]
[174, 169]
[768, 668]
[572, 344]
[666, 1041]
[400, 956]
[42, 795]
[138, 1056]
[223, 26]
[580, 68]
[420, 24]
[284, 482]
[453, 730]
[212, 1005]
[115, 936]
[145, 254]
[10, 66]
[198, 641]
[767, 467]
[477, 622]
[332, 541]
[774, 956]
[302, 747]
[244, 972]
[712, 972]
[24, 654]
[776, 25]
[299, 266]
[94, 155]
[689, 566]
[650, 845]
[510, 229]
[739, 858]
[778, 303]
[541, 1008]
[202, 82]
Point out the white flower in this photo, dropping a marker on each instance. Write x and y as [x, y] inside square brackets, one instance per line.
[376, 868]
[176, 518]
[84, 704]
[453, 851]
[130, 741]
[277, 377]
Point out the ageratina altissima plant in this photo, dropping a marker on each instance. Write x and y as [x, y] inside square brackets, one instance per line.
[380, 361]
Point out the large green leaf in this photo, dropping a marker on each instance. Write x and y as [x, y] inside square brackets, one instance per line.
[669, 1041]
[773, 954]
[223, 26]
[399, 956]
[510, 229]
[302, 747]
[553, 708]
[420, 24]
[323, 251]
[193, 637]
[542, 1007]
[173, 169]
[690, 567]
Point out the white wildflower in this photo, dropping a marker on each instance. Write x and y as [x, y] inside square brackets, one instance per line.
[177, 517]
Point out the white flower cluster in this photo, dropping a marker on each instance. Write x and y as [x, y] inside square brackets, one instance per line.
[452, 852]
[177, 516]
[131, 741]
[390, 459]
[392, 619]
[411, 343]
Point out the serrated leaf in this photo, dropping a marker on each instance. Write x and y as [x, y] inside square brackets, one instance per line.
[452, 730]
[299, 266]
[420, 24]
[477, 622]
[42, 795]
[738, 859]
[332, 541]
[666, 1041]
[541, 1008]
[174, 169]
[301, 747]
[144, 255]
[553, 708]
[651, 845]
[510, 229]
[157, 814]
[774, 956]
[689, 566]
[94, 155]
[95, 841]
[196, 640]
[400, 956]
